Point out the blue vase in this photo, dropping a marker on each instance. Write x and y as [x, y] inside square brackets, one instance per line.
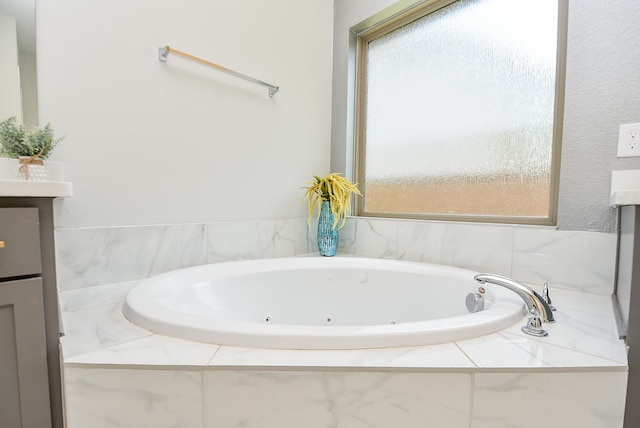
[327, 235]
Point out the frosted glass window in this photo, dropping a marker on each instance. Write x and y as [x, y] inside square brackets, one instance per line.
[458, 113]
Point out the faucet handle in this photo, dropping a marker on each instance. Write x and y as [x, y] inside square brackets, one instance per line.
[534, 324]
[545, 295]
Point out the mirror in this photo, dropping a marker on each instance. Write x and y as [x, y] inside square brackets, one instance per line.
[18, 81]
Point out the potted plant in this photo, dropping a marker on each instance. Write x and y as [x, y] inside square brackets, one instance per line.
[331, 195]
[30, 147]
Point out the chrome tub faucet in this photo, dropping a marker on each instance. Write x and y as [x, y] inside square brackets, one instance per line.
[538, 309]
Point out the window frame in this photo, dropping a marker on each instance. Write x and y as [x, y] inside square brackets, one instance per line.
[380, 25]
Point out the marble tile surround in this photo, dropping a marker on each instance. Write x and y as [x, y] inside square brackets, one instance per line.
[119, 375]
[583, 261]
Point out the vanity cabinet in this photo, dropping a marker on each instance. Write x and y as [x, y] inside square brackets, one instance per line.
[19, 242]
[24, 395]
[30, 382]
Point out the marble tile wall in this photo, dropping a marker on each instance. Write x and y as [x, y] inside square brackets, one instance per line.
[317, 399]
[132, 398]
[94, 256]
[583, 261]
[87, 257]
[119, 375]
[572, 399]
[113, 397]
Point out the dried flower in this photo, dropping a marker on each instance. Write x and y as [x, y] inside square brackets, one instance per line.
[335, 189]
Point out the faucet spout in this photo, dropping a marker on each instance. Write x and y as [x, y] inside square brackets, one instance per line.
[535, 303]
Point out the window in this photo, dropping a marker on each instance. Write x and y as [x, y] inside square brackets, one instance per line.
[459, 111]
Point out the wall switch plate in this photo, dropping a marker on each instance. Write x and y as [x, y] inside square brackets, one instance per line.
[629, 140]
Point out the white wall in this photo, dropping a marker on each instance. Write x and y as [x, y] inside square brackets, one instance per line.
[602, 92]
[10, 104]
[148, 142]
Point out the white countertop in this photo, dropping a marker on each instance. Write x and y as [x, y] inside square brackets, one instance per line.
[625, 197]
[26, 189]
[625, 188]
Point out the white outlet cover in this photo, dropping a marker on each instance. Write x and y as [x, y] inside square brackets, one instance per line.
[629, 140]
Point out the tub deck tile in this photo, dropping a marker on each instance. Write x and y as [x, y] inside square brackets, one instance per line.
[508, 351]
[155, 351]
[444, 356]
[583, 336]
[585, 333]
[93, 329]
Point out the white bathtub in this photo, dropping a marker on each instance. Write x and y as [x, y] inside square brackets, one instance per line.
[319, 303]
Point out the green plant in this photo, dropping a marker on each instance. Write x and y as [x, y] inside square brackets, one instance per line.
[335, 189]
[16, 141]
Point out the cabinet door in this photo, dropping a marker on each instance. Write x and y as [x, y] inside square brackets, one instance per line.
[20, 237]
[24, 384]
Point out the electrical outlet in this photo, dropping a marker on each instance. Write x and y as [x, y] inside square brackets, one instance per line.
[629, 140]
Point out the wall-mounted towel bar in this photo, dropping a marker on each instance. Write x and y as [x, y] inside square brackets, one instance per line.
[164, 51]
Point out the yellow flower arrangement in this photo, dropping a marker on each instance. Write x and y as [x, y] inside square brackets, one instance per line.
[335, 189]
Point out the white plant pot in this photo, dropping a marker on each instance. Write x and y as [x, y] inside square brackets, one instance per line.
[32, 169]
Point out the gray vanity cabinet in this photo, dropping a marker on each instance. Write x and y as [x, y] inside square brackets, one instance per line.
[627, 299]
[25, 400]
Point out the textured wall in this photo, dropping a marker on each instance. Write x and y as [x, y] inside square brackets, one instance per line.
[154, 143]
[602, 91]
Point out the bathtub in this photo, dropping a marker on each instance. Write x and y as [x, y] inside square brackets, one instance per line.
[320, 303]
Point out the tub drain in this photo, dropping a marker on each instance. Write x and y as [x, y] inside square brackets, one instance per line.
[328, 320]
[267, 318]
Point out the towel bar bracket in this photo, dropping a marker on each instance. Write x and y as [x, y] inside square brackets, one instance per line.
[163, 52]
